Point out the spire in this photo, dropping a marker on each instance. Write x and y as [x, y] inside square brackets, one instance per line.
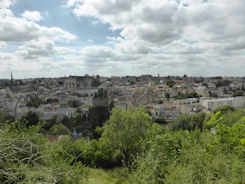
[12, 79]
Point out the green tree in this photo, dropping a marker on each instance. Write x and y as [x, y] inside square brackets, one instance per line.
[100, 111]
[161, 120]
[96, 83]
[204, 84]
[170, 83]
[32, 118]
[112, 105]
[187, 95]
[160, 102]
[221, 83]
[189, 122]
[75, 103]
[59, 129]
[237, 93]
[35, 102]
[5, 118]
[212, 94]
[66, 121]
[224, 109]
[152, 167]
[167, 95]
[125, 131]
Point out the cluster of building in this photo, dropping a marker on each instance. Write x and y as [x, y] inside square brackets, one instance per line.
[185, 94]
[52, 95]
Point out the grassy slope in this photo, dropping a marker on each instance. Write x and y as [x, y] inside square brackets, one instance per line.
[109, 176]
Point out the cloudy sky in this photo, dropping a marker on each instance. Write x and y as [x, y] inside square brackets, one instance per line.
[52, 38]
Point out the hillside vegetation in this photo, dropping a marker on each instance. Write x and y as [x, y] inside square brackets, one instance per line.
[198, 149]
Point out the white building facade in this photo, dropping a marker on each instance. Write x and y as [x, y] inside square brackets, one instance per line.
[211, 104]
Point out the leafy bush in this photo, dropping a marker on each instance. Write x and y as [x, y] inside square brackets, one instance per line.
[187, 95]
[224, 109]
[189, 122]
[151, 167]
[161, 120]
[221, 83]
[35, 102]
[170, 83]
[59, 129]
[5, 118]
[95, 83]
[75, 103]
[237, 93]
[224, 115]
[32, 118]
[27, 157]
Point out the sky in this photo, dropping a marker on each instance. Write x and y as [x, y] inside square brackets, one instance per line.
[56, 38]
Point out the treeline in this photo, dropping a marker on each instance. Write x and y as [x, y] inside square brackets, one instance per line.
[200, 148]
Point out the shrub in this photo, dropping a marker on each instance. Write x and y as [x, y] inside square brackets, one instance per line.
[59, 129]
[189, 122]
[224, 109]
[161, 120]
[27, 157]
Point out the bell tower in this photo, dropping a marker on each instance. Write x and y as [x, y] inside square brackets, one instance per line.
[12, 79]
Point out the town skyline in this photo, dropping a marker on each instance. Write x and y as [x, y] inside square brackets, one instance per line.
[109, 76]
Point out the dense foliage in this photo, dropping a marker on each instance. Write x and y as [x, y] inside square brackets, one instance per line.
[221, 83]
[125, 131]
[59, 129]
[100, 111]
[27, 157]
[198, 149]
[5, 118]
[161, 120]
[189, 122]
[75, 103]
[186, 95]
[170, 83]
[95, 82]
[237, 93]
[215, 155]
[34, 102]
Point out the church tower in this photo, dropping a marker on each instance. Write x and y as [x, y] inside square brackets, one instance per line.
[12, 79]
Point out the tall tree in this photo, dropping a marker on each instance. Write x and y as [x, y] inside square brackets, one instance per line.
[100, 111]
[125, 131]
[32, 118]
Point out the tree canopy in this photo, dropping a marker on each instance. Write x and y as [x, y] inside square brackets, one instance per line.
[100, 111]
[125, 131]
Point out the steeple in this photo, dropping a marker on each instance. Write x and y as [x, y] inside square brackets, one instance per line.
[12, 79]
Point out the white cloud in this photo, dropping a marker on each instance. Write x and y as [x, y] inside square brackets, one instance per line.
[3, 44]
[4, 7]
[17, 29]
[32, 15]
[37, 48]
[5, 3]
[71, 3]
[36, 44]
[155, 36]
[21, 30]
[90, 41]
[97, 54]
[171, 36]
[95, 22]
